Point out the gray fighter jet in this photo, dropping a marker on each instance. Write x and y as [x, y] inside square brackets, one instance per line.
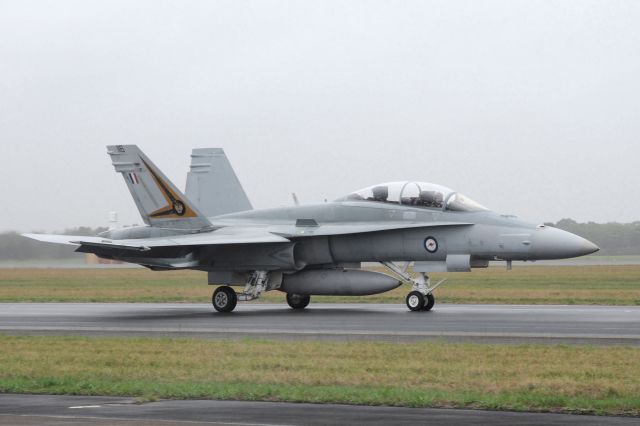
[311, 249]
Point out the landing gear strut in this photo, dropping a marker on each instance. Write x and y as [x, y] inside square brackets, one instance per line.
[421, 296]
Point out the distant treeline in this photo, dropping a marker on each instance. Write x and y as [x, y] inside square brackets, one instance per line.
[614, 239]
[14, 246]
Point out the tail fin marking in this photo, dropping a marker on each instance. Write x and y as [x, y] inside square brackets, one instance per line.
[160, 203]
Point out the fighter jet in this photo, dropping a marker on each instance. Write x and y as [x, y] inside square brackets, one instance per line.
[307, 250]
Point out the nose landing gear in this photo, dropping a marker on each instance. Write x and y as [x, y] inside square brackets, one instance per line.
[421, 296]
[417, 301]
[428, 304]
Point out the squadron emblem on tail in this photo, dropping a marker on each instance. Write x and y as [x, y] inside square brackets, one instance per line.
[174, 205]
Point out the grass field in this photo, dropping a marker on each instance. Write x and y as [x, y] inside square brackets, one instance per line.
[603, 285]
[436, 374]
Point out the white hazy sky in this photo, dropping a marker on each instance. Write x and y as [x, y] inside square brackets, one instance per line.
[530, 107]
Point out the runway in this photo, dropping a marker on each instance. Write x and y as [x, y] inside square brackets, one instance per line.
[81, 410]
[481, 323]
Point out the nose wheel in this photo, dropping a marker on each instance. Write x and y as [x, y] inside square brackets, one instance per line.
[417, 301]
[429, 302]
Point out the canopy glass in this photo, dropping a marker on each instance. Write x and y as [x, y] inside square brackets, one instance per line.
[416, 194]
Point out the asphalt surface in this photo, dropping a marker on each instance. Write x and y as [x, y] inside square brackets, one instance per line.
[65, 410]
[482, 323]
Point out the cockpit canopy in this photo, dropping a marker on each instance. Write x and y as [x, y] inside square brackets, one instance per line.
[417, 194]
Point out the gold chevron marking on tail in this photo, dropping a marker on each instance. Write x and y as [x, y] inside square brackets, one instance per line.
[175, 208]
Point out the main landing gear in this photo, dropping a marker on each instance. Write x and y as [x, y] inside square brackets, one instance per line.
[421, 296]
[225, 298]
[298, 301]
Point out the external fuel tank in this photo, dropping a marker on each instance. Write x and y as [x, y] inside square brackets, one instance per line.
[338, 282]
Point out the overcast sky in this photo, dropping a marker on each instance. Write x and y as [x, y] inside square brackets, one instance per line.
[531, 108]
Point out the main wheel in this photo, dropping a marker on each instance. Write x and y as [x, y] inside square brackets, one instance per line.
[415, 301]
[429, 302]
[224, 299]
[298, 301]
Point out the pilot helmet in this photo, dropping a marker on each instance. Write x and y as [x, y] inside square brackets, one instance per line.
[380, 192]
[427, 196]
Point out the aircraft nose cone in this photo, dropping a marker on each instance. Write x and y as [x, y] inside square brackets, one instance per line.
[553, 243]
[589, 247]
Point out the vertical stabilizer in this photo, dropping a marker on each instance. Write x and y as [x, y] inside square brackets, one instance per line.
[213, 185]
[160, 203]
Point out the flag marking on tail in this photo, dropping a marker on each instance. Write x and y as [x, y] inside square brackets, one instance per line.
[134, 178]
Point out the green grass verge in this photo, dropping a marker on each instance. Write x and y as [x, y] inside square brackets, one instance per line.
[580, 379]
[602, 285]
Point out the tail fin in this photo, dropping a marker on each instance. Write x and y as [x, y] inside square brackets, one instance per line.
[160, 203]
[213, 185]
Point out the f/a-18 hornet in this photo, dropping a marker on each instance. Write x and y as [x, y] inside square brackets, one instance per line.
[311, 249]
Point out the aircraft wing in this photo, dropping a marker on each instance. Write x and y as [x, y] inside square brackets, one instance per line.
[220, 237]
[310, 229]
[63, 239]
[237, 235]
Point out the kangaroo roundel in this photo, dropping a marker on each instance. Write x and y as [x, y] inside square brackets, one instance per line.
[431, 244]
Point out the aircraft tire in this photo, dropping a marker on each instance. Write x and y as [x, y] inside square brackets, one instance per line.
[415, 301]
[298, 301]
[429, 302]
[224, 299]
